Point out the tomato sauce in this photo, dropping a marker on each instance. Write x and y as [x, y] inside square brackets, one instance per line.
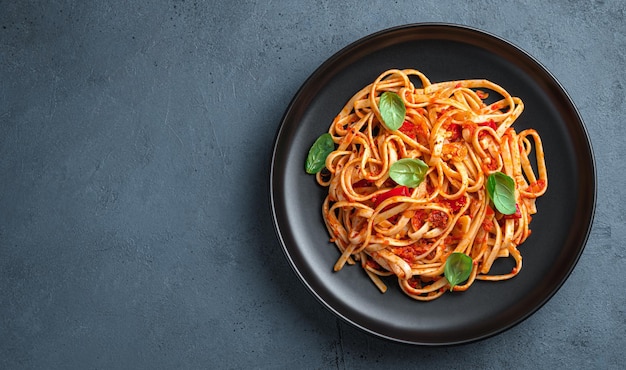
[411, 252]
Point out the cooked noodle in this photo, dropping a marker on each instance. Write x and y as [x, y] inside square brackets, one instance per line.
[410, 232]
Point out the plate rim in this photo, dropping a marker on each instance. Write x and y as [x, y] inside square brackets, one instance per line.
[339, 57]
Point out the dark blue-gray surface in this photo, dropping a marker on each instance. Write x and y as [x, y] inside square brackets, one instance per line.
[135, 144]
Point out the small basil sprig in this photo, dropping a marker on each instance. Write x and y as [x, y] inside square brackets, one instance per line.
[458, 268]
[408, 172]
[392, 110]
[501, 190]
[321, 148]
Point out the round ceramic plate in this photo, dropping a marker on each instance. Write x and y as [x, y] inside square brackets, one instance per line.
[559, 230]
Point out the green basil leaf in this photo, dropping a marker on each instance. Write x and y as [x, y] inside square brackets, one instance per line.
[408, 172]
[321, 148]
[501, 190]
[392, 110]
[458, 268]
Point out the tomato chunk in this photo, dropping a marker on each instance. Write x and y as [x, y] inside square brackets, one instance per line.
[400, 190]
[491, 123]
[409, 129]
[537, 186]
[455, 205]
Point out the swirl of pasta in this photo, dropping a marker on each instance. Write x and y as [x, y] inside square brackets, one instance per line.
[409, 233]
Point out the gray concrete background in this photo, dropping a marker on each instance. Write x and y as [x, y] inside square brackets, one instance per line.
[135, 143]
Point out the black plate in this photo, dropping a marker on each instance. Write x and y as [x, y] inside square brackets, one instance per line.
[560, 229]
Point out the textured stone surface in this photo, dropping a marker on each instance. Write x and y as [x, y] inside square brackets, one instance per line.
[135, 143]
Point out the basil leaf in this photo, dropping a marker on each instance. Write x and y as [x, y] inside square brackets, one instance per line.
[458, 268]
[501, 190]
[392, 110]
[408, 172]
[322, 147]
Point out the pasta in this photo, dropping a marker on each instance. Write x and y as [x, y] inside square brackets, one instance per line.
[410, 232]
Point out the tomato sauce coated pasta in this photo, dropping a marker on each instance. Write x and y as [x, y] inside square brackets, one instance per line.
[409, 232]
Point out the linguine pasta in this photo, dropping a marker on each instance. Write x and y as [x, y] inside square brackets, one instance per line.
[409, 232]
